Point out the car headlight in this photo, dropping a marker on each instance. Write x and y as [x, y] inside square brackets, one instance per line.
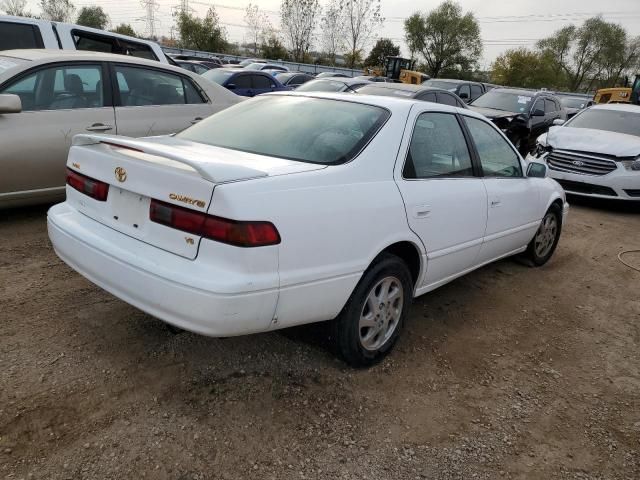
[632, 164]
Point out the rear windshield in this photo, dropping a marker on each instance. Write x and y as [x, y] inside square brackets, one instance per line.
[609, 120]
[507, 101]
[441, 84]
[385, 92]
[323, 86]
[19, 35]
[313, 130]
[217, 75]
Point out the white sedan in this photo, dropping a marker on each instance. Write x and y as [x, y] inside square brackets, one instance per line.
[48, 96]
[290, 209]
[596, 153]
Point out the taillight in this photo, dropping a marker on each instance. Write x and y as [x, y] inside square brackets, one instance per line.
[87, 185]
[233, 232]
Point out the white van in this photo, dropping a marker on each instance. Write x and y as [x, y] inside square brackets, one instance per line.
[23, 32]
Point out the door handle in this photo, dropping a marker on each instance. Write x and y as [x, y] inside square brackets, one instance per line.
[196, 120]
[495, 203]
[99, 127]
[422, 211]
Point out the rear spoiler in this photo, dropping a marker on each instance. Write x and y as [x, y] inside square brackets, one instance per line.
[213, 172]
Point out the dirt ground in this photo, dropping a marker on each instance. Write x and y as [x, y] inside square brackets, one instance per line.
[510, 372]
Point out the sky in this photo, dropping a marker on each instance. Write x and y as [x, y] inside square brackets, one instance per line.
[504, 24]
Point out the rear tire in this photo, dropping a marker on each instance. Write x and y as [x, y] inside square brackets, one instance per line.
[545, 241]
[370, 323]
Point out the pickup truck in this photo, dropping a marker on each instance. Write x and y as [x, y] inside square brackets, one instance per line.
[23, 32]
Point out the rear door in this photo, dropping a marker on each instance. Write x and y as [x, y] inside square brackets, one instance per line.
[58, 102]
[512, 198]
[445, 199]
[154, 101]
[242, 84]
[262, 83]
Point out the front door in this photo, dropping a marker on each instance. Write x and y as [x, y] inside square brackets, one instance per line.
[156, 101]
[512, 198]
[445, 201]
[58, 102]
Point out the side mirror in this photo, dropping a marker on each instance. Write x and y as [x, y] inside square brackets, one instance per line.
[10, 104]
[231, 86]
[536, 170]
[558, 121]
[537, 113]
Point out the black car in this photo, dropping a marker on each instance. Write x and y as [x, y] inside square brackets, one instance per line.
[194, 66]
[467, 90]
[573, 105]
[418, 92]
[523, 115]
[293, 79]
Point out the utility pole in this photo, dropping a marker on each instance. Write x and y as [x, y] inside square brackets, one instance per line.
[151, 7]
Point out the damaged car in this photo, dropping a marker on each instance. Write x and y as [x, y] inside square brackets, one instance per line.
[522, 115]
[596, 153]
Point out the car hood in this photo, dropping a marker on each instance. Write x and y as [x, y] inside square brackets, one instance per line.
[492, 112]
[594, 141]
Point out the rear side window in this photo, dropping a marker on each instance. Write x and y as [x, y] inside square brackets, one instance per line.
[313, 130]
[476, 91]
[447, 99]
[142, 86]
[549, 106]
[104, 43]
[428, 97]
[19, 35]
[262, 81]
[242, 81]
[464, 90]
[438, 149]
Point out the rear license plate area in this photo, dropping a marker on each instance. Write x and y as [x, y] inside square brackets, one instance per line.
[130, 210]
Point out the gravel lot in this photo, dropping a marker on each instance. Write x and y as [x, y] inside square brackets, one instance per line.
[510, 372]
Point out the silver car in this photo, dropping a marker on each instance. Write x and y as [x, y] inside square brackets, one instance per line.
[46, 97]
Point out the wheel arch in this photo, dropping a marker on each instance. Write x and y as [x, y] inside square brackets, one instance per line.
[410, 253]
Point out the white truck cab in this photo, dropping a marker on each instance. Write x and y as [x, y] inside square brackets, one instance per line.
[24, 32]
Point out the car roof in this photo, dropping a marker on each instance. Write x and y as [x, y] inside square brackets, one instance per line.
[618, 107]
[452, 80]
[407, 87]
[521, 91]
[345, 80]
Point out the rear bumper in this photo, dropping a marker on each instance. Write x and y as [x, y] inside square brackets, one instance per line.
[145, 277]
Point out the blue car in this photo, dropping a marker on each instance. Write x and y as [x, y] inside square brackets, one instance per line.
[247, 83]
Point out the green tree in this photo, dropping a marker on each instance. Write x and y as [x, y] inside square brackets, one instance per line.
[201, 33]
[382, 49]
[94, 17]
[257, 23]
[57, 10]
[272, 47]
[448, 39]
[332, 32]
[15, 7]
[361, 19]
[298, 20]
[125, 29]
[525, 68]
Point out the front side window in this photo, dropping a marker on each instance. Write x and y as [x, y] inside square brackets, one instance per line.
[428, 97]
[497, 157]
[549, 106]
[60, 88]
[447, 99]
[539, 105]
[476, 91]
[313, 130]
[142, 87]
[242, 81]
[262, 82]
[438, 148]
[465, 92]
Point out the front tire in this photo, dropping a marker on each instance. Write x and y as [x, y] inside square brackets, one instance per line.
[370, 323]
[545, 241]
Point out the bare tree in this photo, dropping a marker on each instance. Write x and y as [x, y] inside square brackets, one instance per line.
[298, 20]
[257, 23]
[362, 18]
[57, 10]
[332, 28]
[14, 7]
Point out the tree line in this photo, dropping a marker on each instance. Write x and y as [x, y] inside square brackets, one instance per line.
[443, 42]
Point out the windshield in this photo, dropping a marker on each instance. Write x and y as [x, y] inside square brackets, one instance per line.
[507, 101]
[9, 62]
[610, 120]
[573, 102]
[217, 75]
[441, 84]
[313, 130]
[323, 86]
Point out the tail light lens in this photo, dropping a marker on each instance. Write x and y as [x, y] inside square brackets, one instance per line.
[89, 186]
[232, 232]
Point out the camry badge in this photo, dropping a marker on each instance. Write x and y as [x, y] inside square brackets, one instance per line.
[121, 174]
[578, 163]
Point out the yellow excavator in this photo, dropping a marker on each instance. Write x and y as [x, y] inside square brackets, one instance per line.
[620, 94]
[399, 69]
